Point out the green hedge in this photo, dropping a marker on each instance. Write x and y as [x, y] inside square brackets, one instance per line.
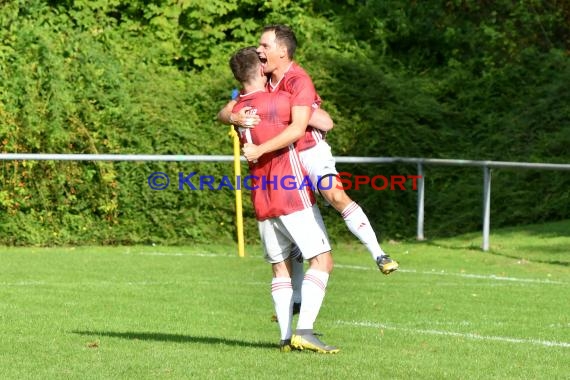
[461, 79]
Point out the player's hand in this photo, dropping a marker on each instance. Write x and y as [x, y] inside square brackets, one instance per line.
[244, 120]
[251, 152]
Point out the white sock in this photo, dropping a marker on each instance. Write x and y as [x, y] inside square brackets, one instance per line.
[314, 287]
[358, 224]
[282, 292]
[298, 269]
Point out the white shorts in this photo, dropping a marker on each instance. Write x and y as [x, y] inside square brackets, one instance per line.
[304, 228]
[318, 162]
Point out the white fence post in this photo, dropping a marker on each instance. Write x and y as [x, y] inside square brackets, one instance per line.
[486, 206]
[420, 233]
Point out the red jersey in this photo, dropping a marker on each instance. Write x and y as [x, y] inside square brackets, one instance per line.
[277, 178]
[298, 83]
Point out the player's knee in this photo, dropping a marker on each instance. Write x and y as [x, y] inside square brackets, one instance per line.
[322, 262]
[337, 197]
[281, 270]
[328, 264]
[330, 267]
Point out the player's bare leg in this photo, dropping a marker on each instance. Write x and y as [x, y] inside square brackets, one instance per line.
[356, 220]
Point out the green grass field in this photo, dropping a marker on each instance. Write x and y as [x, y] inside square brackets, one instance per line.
[451, 312]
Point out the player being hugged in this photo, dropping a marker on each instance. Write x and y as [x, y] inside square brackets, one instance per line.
[286, 217]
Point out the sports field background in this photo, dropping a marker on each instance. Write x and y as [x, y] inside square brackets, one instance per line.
[451, 312]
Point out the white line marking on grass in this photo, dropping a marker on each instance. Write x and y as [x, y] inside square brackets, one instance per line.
[178, 254]
[459, 335]
[464, 275]
[358, 267]
[23, 283]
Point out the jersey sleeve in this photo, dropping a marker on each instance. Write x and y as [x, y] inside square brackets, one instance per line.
[302, 91]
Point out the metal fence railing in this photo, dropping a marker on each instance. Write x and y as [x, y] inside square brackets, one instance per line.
[420, 162]
[485, 165]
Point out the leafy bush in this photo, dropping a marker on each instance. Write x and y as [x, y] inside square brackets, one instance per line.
[463, 79]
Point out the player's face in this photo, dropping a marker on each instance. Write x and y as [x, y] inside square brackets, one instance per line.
[270, 52]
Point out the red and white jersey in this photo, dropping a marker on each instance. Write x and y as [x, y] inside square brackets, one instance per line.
[299, 84]
[277, 177]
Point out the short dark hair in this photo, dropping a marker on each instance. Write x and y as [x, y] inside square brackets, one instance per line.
[284, 35]
[245, 64]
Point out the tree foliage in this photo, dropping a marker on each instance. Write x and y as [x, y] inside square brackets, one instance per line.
[470, 79]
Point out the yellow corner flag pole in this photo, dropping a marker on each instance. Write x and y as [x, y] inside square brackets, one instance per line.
[239, 204]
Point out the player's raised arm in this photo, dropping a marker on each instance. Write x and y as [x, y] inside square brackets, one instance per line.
[225, 114]
[300, 116]
[320, 119]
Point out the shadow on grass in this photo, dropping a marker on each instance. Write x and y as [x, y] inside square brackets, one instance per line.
[540, 257]
[534, 258]
[162, 337]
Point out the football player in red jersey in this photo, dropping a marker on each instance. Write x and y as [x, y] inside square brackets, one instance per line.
[286, 212]
[276, 50]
